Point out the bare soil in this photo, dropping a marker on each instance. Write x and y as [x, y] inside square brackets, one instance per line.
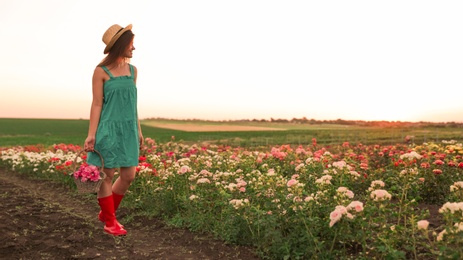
[44, 220]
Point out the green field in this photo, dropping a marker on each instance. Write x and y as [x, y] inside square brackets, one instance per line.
[47, 132]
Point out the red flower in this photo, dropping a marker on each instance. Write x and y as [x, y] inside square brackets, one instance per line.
[460, 165]
[452, 163]
[438, 162]
[314, 141]
[437, 171]
[142, 158]
[425, 165]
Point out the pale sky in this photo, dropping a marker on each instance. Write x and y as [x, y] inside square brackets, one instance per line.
[220, 60]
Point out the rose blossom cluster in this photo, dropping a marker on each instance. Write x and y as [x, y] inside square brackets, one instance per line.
[340, 211]
[87, 172]
[458, 227]
[456, 186]
[451, 207]
[376, 185]
[380, 195]
[238, 203]
[411, 155]
[345, 192]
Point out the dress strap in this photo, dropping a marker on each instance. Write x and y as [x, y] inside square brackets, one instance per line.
[107, 71]
[131, 71]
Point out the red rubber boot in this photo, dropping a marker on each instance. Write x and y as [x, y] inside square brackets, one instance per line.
[117, 198]
[111, 225]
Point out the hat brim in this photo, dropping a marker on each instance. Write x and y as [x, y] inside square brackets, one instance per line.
[115, 38]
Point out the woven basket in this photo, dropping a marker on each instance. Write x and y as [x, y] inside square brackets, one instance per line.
[88, 186]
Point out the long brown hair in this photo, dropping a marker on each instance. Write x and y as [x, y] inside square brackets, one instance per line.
[118, 49]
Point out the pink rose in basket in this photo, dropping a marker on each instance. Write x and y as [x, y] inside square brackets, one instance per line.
[87, 173]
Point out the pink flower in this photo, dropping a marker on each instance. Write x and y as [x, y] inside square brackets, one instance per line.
[184, 169]
[292, 182]
[380, 195]
[337, 214]
[203, 180]
[150, 141]
[364, 166]
[340, 164]
[423, 224]
[241, 183]
[87, 172]
[356, 205]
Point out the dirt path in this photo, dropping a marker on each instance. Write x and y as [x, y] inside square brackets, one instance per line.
[43, 220]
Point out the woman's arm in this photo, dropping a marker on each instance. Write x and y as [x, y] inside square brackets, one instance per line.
[140, 133]
[95, 110]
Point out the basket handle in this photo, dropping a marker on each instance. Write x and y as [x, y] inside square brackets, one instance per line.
[78, 155]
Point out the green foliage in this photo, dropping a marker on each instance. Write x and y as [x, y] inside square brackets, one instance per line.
[293, 202]
[54, 131]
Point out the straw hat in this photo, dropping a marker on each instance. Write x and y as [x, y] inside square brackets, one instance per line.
[112, 34]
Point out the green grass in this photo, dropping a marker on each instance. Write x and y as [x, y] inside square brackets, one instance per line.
[14, 132]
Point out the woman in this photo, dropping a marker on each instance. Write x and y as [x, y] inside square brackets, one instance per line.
[114, 129]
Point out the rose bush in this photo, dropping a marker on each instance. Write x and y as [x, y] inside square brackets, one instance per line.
[295, 202]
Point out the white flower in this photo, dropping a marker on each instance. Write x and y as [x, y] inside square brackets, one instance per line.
[410, 156]
[238, 203]
[203, 180]
[452, 207]
[456, 186]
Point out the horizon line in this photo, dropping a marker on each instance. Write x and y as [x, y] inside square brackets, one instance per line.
[243, 119]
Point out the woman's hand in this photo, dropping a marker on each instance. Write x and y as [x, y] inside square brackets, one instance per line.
[141, 139]
[89, 145]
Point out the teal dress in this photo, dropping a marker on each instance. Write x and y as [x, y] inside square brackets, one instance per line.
[117, 133]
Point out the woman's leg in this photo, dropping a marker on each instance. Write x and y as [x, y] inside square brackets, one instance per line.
[120, 187]
[106, 186]
[106, 202]
[123, 182]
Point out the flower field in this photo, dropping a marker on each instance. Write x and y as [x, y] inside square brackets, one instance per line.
[294, 202]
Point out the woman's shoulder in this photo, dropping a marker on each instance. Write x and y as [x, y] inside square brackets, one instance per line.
[100, 73]
[135, 71]
[99, 69]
